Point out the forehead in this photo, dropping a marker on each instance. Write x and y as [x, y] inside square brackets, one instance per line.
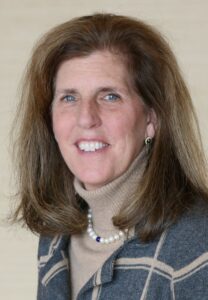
[99, 65]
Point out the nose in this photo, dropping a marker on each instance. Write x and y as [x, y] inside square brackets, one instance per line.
[88, 115]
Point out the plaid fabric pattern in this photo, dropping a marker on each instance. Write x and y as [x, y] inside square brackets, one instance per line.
[172, 267]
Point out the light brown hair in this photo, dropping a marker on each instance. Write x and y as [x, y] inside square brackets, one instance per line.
[175, 176]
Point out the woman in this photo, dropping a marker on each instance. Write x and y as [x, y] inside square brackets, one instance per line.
[111, 170]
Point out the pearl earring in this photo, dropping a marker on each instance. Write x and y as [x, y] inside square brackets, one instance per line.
[148, 141]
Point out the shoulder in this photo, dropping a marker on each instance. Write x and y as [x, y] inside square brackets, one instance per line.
[53, 275]
[192, 226]
[51, 245]
[188, 236]
[187, 240]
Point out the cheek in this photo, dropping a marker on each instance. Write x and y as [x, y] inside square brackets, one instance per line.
[131, 127]
[56, 125]
[60, 126]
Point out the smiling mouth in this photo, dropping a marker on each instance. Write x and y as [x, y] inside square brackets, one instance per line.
[91, 146]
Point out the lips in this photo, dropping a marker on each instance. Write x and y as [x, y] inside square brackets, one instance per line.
[91, 146]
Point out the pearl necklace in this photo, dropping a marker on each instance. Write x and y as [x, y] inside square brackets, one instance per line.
[92, 234]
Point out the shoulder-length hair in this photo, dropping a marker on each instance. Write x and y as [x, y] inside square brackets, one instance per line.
[174, 177]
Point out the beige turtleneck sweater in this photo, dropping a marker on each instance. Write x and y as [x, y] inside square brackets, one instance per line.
[87, 255]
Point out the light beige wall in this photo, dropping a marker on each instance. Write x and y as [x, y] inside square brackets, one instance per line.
[185, 24]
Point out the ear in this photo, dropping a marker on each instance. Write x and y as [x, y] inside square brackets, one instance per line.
[151, 123]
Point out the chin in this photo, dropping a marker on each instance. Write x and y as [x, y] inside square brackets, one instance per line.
[94, 183]
[92, 177]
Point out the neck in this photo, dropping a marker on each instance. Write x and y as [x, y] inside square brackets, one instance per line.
[107, 201]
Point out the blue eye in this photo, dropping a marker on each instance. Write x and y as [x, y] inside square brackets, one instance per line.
[69, 98]
[112, 97]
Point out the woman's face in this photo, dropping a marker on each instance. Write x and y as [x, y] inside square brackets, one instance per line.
[99, 122]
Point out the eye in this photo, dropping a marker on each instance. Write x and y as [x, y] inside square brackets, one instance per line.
[69, 98]
[112, 97]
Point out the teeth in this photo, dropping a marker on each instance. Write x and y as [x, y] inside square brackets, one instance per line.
[91, 146]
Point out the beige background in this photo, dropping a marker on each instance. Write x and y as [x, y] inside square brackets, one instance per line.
[184, 23]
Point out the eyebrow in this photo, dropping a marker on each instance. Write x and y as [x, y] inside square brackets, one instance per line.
[107, 89]
[65, 91]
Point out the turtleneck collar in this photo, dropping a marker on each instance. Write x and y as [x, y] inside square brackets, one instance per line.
[107, 201]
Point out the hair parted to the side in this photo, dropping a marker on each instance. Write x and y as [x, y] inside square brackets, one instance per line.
[175, 175]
